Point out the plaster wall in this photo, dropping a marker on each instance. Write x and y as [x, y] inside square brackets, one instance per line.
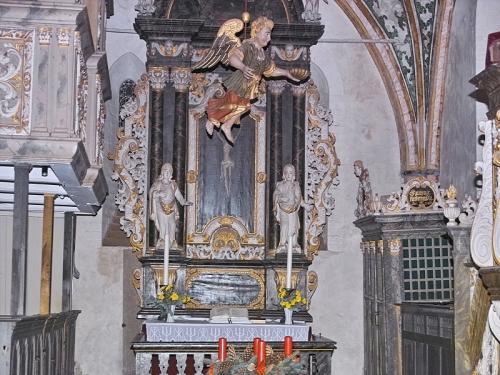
[458, 126]
[365, 130]
[35, 226]
[99, 294]
[487, 21]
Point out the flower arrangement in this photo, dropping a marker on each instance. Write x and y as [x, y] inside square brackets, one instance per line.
[166, 300]
[245, 363]
[291, 299]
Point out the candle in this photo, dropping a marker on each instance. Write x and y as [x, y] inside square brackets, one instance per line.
[288, 346]
[261, 354]
[222, 350]
[256, 342]
[166, 252]
[289, 264]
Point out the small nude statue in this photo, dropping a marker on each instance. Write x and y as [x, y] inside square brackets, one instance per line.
[287, 200]
[163, 206]
[364, 198]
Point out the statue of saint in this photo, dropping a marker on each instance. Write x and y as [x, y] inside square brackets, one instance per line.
[287, 200]
[364, 198]
[163, 206]
[251, 62]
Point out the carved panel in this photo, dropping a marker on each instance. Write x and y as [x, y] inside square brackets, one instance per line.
[130, 164]
[16, 59]
[321, 169]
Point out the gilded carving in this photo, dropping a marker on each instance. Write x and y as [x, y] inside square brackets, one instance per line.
[16, 57]
[169, 49]
[261, 177]
[130, 165]
[63, 36]
[289, 53]
[226, 239]
[226, 220]
[158, 76]
[181, 78]
[394, 246]
[280, 278]
[321, 169]
[136, 283]
[312, 285]
[44, 35]
[192, 176]
[158, 275]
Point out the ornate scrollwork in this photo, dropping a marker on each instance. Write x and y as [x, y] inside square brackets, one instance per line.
[312, 285]
[145, 7]
[136, 283]
[169, 49]
[82, 91]
[130, 164]
[16, 56]
[322, 167]
[482, 227]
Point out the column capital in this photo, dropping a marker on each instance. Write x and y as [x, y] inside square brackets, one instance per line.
[158, 77]
[181, 77]
[276, 87]
[299, 90]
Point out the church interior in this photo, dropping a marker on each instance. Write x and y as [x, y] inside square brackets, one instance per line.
[249, 187]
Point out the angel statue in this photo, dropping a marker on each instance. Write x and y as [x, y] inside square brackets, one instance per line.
[251, 62]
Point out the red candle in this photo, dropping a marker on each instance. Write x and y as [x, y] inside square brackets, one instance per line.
[261, 354]
[256, 341]
[222, 352]
[288, 346]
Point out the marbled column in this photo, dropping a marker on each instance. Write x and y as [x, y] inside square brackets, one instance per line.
[158, 77]
[275, 148]
[392, 294]
[461, 285]
[181, 78]
[20, 239]
[298, 145]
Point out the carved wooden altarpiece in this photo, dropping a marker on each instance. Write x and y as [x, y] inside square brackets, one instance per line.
[228, 238]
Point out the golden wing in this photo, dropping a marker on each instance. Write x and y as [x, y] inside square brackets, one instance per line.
[224, 42]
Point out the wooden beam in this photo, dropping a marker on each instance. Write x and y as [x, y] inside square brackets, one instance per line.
[20, 239]
[47, 242]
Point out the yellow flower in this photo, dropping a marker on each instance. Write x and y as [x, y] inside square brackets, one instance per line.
[160, 296]
[304, 301]
[174, 296]
[186, 299]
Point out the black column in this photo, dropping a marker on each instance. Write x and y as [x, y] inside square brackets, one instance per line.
[181, 78]
[20, 240]
[158, 77]
[298, 147]
[275, 147]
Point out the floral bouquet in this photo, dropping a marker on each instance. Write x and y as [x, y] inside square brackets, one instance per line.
[291, 299]
[167, 299]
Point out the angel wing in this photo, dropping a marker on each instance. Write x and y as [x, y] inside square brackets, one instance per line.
[224, 42]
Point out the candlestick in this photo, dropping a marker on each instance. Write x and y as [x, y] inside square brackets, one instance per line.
[256, 342]
[166, 252]
[261, 354]
[289, 264]
[222, 349]
[288, 346]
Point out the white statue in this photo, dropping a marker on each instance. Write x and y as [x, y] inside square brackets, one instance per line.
[287, 200]
[163, 207]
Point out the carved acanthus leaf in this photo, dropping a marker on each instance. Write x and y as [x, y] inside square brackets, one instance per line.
[130, 164]
[321, 171]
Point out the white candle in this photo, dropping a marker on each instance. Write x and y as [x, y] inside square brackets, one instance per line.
[166, 252]
[289, 264]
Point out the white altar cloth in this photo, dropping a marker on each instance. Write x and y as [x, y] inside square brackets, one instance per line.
[205, 332]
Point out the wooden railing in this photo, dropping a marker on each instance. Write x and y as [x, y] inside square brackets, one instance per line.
[157, 358]
[39, 345]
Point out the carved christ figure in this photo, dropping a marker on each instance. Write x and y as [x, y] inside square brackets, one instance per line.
[251, 62]
[287, 200]
[163, 206]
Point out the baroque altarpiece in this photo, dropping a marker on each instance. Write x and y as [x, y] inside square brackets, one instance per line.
[227, 249]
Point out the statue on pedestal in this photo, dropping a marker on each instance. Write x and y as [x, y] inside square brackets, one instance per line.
[163, 206]
[364, 198]
[251, 62]
[287, 200]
